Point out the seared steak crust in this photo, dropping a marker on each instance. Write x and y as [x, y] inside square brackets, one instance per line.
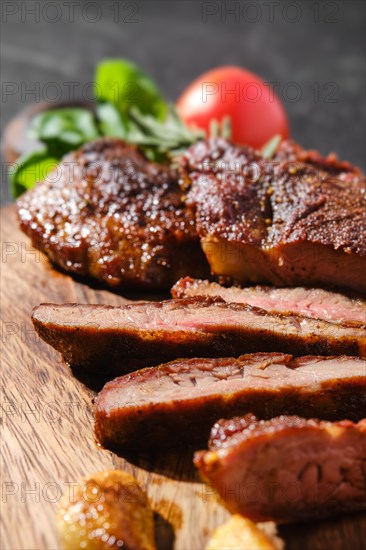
[119, 339]
[177, 403]
[109, 213]
[296, 219]
[225, 205]
[316, 206]
[290, 151]
[299, 469]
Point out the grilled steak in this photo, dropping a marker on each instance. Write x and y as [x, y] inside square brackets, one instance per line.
[315, 303]
[177, 403]
[125, 338]
[287, 468]
[108, 213]
[297, 219]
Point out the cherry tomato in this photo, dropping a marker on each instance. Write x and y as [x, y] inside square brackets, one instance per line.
[255, 112]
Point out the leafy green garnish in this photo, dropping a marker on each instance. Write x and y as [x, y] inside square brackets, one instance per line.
[130, 106]
[226, 130]
[160, 137]
[63, 130]
[220, 130]
[156, 138]
[29, 169]
[214, 128]
[111, 122]
[269, 148]
[123, 84]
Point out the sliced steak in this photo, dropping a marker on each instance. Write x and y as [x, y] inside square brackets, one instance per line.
[297, 219]
[109, 213]
[97, 337]
[177, 403]
[315, 303]
[287, 468]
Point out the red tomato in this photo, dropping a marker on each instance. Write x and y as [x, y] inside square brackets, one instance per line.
[255, 111]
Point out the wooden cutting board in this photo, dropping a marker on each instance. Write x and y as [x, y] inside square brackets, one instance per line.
[47, 438]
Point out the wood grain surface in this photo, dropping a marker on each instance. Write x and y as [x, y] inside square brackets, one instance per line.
[47, 440]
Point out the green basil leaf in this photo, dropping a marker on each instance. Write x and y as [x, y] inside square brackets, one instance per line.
[63, 130]
[123, 84]
[28, 169]
[111, 122]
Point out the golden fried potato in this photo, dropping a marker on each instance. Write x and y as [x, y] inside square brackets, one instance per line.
[240, 534]
[108, 510]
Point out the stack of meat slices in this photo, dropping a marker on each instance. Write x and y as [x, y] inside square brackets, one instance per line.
[176, 403]
[284, 365]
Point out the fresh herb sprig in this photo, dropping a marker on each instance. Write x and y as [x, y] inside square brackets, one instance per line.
[29, 169]
[269, 149]
[124, 85]
[129, 106]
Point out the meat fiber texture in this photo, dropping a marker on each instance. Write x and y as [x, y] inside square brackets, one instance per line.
[107, 212]
[287, 469]
[315, 303]
[176, 404]
[114, 340]
[296, 219]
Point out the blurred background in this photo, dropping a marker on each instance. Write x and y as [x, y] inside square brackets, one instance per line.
[313, 53]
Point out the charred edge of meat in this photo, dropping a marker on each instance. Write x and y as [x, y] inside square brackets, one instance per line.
[323, 463]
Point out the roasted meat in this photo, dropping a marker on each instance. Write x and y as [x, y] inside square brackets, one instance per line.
[287, 468]
[297, 219]
[108, 213]
[118, 339]
[315, 303]
[177, 403]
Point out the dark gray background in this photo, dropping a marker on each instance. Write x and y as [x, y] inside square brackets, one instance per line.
[316, 45]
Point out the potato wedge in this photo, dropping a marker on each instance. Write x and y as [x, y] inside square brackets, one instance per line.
[241, 534]
[108, 510]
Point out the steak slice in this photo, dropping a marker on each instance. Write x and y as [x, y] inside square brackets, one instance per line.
[297, 219]
[108, 213]
[315, 303]
[177, 403]
[287, 469]
[100, 338]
